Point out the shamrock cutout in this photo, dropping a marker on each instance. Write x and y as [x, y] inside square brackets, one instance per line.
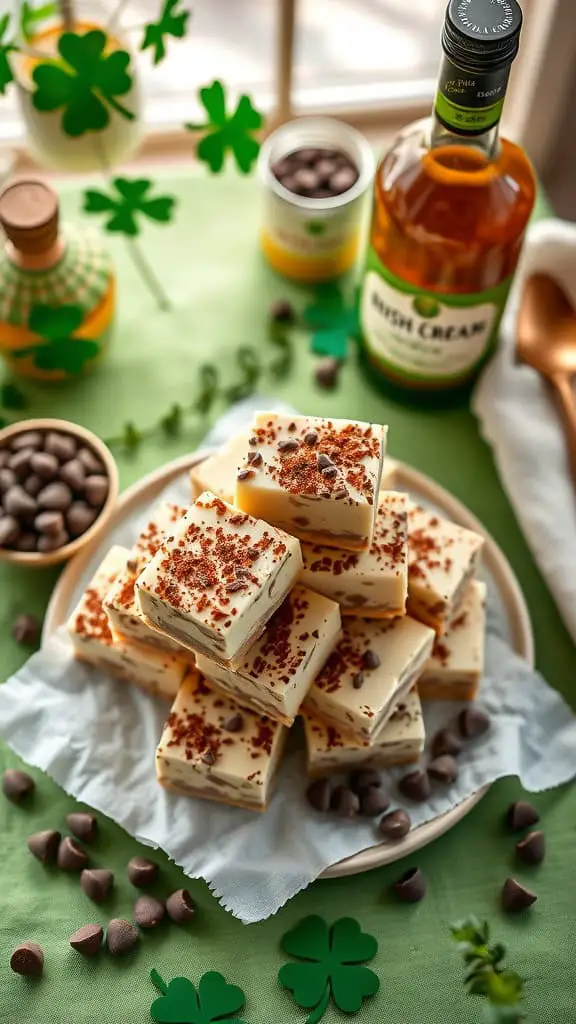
[6, 48]
[331, 967]
[227, 132]
[170, 23]
[85, 83]
[332, 323]
[131, 199]
[58, 350]
[31, 16]
[181, 1003]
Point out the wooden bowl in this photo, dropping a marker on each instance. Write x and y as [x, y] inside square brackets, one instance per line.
[36, 559]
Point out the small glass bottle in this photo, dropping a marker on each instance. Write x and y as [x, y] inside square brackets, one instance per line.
[57, 288]
[451, 204]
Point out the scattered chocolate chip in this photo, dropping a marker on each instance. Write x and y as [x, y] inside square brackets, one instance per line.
[26, 542]
[9, 530]
[96, 490]
[282, 312]
[83, 825]
[17, 503]
[96, 883]
[148, 912]
[63, 446]
[33, 485]
[208, 757]
[46, 544]
[318, 794]
[446, 742]
[344, 802]
[80, 517]
[340, 493]
[411, 886]
[254, 459]
[234, 586]
[395, 825]
[28, 959]
[532, 849]
[20, 462]
[17, 785]
[253, 441]
[364, 779]
[253, 554]
[50, 523]
[329, 472]
[311, 438]
[88, 939]
[473, 722]
[358, 680]
[180, 906]
[71, 856]
[7, 479]
[44, 465]
[371, 660]
[289, 445]
[234, 723]
[89, 461]
[516, 897]
[521, 815]
[373, 801]
[44, 845]
[416, 785]
[323, 461]
[443, 769]
[142, 872]
[245, 474]
[57, 496]
[73, 474]
[121, 937]
[326, 372]
[29, 439]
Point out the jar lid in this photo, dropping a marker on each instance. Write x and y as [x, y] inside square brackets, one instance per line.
[29, 215]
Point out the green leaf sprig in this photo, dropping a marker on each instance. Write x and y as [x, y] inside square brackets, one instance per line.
[127, 201]
[225, 133]
[485, 975]
[7, 47]
[213, 1000]
[171, 22]
[30, 17]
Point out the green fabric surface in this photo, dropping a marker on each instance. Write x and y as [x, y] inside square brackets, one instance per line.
[210, 265]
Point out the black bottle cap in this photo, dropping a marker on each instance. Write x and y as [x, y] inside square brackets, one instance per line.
[482, 35]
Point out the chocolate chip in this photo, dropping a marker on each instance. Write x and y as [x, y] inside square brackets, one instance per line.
[473, 722]
[121, 937]
[234, 723]
[373, 801]
[326, 372]
[395, 825]
[253, 441]
[329, 472]
[83, 825]
[532, 849]
[516, 897]
[44, 465]
[9, 530]
[89, 461]
[28, 959]
[443, 769]
[29, 439]
[63, 446]
[46, 544]
[96, 883]
[311, 438]
[325, 168]
[180, 906]
[340, 493]
[20, 463]
[96, 490]
[148, 912]
[209, 757]
[88, 939]
[245, 474]
[33, 485]
[7, 479]
[371, 660]
[142, 872]
[26, 542]
[71, 856]
[234, 586]
[416, 785]
[318, 794]
[363, 779]
[57, 496]
[411, 886]
[17, 785]
[289, 445]
[50, 523]
[17, 503]
[253, 554]
[73, 474]
[358, 680]
[282, 312]
[303, 181]
[44, 845]
[344, 802]
[254, 458]
[521, 814]
[446, 742]
[342, 180]
[80, 517]
[323, 461]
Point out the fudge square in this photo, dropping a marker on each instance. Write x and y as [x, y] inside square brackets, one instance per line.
[375, 664]
[316, 478]
[374, 583]
[399, 741]
[455, 669]
[218, 472]
[94, 641]
[279, 669]
[442, 559]
[152, 536]
[214, 748]
[218, 579]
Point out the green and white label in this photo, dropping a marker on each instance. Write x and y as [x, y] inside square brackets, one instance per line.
[422, 336]
[470, 103]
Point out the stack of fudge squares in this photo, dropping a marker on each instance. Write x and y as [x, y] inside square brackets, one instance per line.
[294, 586]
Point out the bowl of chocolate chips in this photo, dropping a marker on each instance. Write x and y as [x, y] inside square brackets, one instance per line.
[58, 488]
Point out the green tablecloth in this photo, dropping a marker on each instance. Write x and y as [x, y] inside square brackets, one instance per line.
[221, 290]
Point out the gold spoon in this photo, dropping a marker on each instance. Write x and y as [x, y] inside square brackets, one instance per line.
[546, 340]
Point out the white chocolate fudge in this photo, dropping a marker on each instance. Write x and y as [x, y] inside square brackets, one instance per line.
[152, 536]
[93, 640]
[455, 669]
[218, 579]
[276, 673]
[375, 664]
[213, 748]
[374, 583]
[316, 478]
[442, 559]
[218, 472]
[399, 741]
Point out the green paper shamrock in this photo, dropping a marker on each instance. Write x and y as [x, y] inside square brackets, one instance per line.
[58, 349]
[485, 976]
[331, 965]
[332, 323]
[131, 199]
[227, 133]
[85, 85]
[31, 16]
[170, 23]
[180, 1003]
[6, 48]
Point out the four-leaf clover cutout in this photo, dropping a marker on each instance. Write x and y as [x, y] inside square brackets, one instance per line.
[129, 199]
[182, 1003]
[85, 83]
[170, 23]
[331, 965]
[6, 48]
[233, 133]
[58, 350]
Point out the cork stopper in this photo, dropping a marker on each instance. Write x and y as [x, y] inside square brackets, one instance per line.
[29, 215]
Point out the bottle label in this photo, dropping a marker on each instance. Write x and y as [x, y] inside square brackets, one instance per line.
[470, 103]
[425, 337]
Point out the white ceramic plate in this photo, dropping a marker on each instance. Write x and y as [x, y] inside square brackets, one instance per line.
[496, 568]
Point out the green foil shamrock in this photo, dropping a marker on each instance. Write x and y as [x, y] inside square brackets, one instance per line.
[171, 22]
[128, 200]
[85, 83]
[331, 965]
[182, 1003]
[58, 350]
[227, 133]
